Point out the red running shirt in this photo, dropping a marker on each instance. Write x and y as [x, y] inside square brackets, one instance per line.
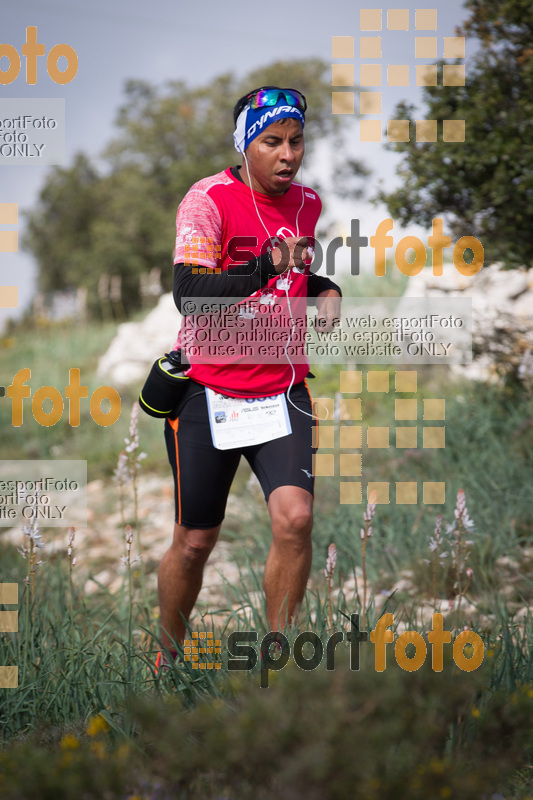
[215, 211]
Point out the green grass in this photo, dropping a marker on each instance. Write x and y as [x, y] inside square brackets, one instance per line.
[81, 656]
[50, 353]
[81, 659]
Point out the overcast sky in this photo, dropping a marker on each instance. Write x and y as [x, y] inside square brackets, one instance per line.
[168, 40]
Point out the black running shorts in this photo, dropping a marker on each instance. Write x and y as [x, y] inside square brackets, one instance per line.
[203, 475]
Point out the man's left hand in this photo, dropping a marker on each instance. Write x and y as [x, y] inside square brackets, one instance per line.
[328, 305]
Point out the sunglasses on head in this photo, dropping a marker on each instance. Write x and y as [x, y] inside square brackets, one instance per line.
[270, 97]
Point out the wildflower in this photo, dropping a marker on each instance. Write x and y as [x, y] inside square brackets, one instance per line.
[469, 574]
[132, 443]
[121, 474]
[434, 545]
[70, 546]
[28, 550]
[437, 537]
[331, 563]
[461, 511]
[32, 531]
[436, 541]
[123, 751]
[461, 546]
[371, 506]
[70, 542]
[121, 477]
[127, 560]
[328, 573]
[69, 742]
[98, 748]
[129, 464]
[365, 534]
[96, 725]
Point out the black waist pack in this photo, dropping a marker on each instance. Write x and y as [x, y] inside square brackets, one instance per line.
[164, 386]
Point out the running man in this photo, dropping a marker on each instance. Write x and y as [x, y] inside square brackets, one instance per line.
[259, 200]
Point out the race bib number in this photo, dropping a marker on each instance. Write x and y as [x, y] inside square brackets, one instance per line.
[242, 422]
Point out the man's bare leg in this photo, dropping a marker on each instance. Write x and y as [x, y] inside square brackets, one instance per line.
[180, 578]
[289, 560]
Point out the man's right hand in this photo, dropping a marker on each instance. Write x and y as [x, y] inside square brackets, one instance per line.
[292, 252]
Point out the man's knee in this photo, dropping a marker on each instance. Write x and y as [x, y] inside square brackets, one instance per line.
[292, 526]
[194, 546]
[300, 519]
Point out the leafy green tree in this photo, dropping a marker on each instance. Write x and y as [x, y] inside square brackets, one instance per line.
[59, 230]
[483, 186]
[121, 222]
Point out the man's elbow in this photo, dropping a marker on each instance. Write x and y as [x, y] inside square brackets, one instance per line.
[177, 300]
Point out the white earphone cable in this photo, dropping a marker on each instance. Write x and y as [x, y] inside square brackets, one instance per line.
[286, 288]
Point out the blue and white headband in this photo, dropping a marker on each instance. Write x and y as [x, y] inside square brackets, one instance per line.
[251, 123]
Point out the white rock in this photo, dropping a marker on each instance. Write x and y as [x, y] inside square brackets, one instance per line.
[524, 305]
[523, 613]
[502, 313]
[506, 561]
[103, 578]
[403, 585]
[137, 344]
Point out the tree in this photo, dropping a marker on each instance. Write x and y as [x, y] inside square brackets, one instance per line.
[59, 231]
[122, 222]
[483, 186]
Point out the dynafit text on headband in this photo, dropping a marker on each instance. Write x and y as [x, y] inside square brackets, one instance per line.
[264, 107]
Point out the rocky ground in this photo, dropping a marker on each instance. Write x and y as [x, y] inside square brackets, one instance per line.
[100, 546]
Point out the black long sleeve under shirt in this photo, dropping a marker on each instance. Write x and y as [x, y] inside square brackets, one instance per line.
[239, 281]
